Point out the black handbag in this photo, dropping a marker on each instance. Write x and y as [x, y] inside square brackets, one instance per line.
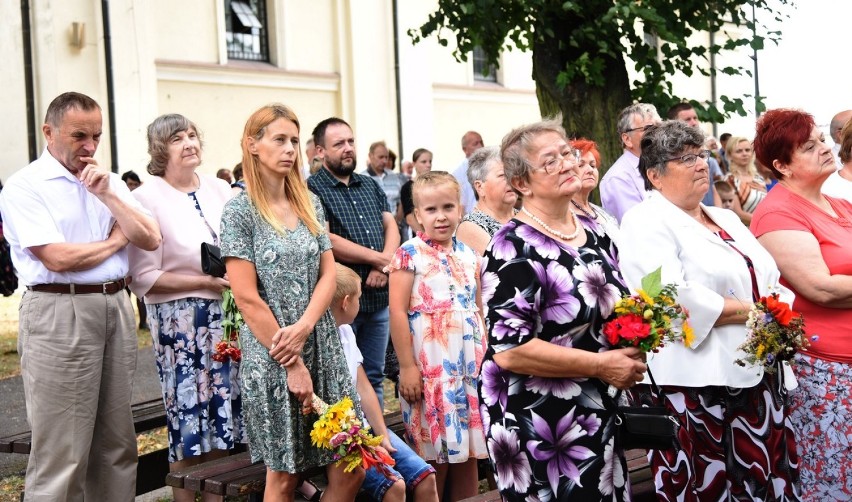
[646, 427]
[211, 260]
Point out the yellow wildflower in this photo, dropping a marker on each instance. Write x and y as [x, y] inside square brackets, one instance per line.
[644, 296]
[688, 334]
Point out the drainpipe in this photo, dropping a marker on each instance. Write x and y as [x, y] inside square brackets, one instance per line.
[713, 79]
[113, 137]
[401, 155]
[28, 79]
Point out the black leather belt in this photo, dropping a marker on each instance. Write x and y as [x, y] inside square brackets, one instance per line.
[107, 288]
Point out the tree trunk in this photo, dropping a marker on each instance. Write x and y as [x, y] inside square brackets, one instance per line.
[587, 111]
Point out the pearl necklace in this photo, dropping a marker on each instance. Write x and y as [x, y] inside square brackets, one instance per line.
[557, 233]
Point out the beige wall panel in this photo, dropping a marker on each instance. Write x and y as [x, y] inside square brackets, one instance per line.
[308, 35]
[221, 112]
[492, 114]
[13, 127]
[186, 30]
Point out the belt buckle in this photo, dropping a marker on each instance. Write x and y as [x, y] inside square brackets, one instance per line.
[104, 287]
[71, 289]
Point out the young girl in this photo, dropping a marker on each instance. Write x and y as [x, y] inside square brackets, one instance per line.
[437, 331]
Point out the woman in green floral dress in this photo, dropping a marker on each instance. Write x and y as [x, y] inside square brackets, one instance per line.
[280, 266]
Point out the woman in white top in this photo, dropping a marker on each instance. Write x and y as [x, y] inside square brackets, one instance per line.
[749, 186]
[736, 441]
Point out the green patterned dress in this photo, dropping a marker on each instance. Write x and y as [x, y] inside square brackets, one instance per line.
[287, 271]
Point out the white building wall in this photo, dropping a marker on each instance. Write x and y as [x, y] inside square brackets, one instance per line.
[329, 57]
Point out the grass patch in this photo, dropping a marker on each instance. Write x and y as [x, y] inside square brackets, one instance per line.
[11, 488]
[10, 364]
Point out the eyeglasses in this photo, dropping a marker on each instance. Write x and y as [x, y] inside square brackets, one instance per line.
[645, 128]
[554, 164]
[690, 159]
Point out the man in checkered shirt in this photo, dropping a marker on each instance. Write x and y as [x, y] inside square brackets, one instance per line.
[364, 236]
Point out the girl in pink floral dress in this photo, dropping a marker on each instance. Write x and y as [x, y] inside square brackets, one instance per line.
[437, 331]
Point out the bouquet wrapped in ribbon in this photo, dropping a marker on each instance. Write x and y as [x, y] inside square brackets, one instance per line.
[229, 347]
[650, 317]
[774, 333]
[339, 429]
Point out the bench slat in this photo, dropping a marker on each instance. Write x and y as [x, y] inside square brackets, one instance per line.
[252, 479]
[7, 444]
[196, 480]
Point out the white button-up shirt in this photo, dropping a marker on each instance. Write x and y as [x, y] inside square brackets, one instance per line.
[44, 203]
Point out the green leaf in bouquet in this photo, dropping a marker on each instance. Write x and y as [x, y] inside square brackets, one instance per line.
[652, 283]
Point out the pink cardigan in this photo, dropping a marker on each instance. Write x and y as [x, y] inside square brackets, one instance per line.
[183, 231]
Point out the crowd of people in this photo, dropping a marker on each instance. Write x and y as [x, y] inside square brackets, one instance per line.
[482, 294]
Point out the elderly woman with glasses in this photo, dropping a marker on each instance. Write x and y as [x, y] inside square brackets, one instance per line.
[495, 199]
[594, 217]
[736, 440]
[550, 285]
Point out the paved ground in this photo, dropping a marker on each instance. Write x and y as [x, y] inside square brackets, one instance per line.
[13, 414]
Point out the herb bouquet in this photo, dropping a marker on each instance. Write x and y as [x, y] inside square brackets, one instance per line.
[774, 333]
[339, 429]
[650, 317]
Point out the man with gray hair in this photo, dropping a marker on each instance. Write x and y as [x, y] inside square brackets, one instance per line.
[68, 222]
[837, 123]
[622, 187]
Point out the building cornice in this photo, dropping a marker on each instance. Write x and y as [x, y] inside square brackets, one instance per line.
[245, 73]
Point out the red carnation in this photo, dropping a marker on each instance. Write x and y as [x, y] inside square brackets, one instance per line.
[630, 328]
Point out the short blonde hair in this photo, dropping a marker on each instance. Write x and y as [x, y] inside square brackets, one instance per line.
[433, 179]
[348, 283]
[518, 144]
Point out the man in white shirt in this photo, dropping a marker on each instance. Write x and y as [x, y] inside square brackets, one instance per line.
[837, 123]
[622, 187]
[471, 142]
[68, 222]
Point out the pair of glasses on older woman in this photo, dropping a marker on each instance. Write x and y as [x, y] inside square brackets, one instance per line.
[690, 159]
[554, 164]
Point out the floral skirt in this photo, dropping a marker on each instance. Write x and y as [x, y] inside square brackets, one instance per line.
[736, 444]
[201, 396]
[820, 410]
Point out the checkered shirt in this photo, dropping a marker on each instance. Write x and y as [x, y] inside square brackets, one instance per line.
[354, 212]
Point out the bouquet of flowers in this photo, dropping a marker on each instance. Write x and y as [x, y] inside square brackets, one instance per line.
[229, 347]
[649, 318]
[774, 333]
[339, 429]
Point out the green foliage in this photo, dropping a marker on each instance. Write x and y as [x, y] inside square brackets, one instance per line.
[592, 34]
[653, 282]
[232, 319]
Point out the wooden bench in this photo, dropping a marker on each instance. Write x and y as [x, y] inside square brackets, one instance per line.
[152, 468]
[641, 480]
[236, 475]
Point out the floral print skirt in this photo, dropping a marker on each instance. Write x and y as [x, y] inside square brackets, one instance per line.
[820, 410]
[201, 396]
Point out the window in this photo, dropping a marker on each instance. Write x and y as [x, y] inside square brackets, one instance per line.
[247, 36]
[482, 71]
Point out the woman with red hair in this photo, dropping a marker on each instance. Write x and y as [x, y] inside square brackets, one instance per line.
[591, 215]
[808, 233]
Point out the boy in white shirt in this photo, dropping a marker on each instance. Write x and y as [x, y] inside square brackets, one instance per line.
[412, 471]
